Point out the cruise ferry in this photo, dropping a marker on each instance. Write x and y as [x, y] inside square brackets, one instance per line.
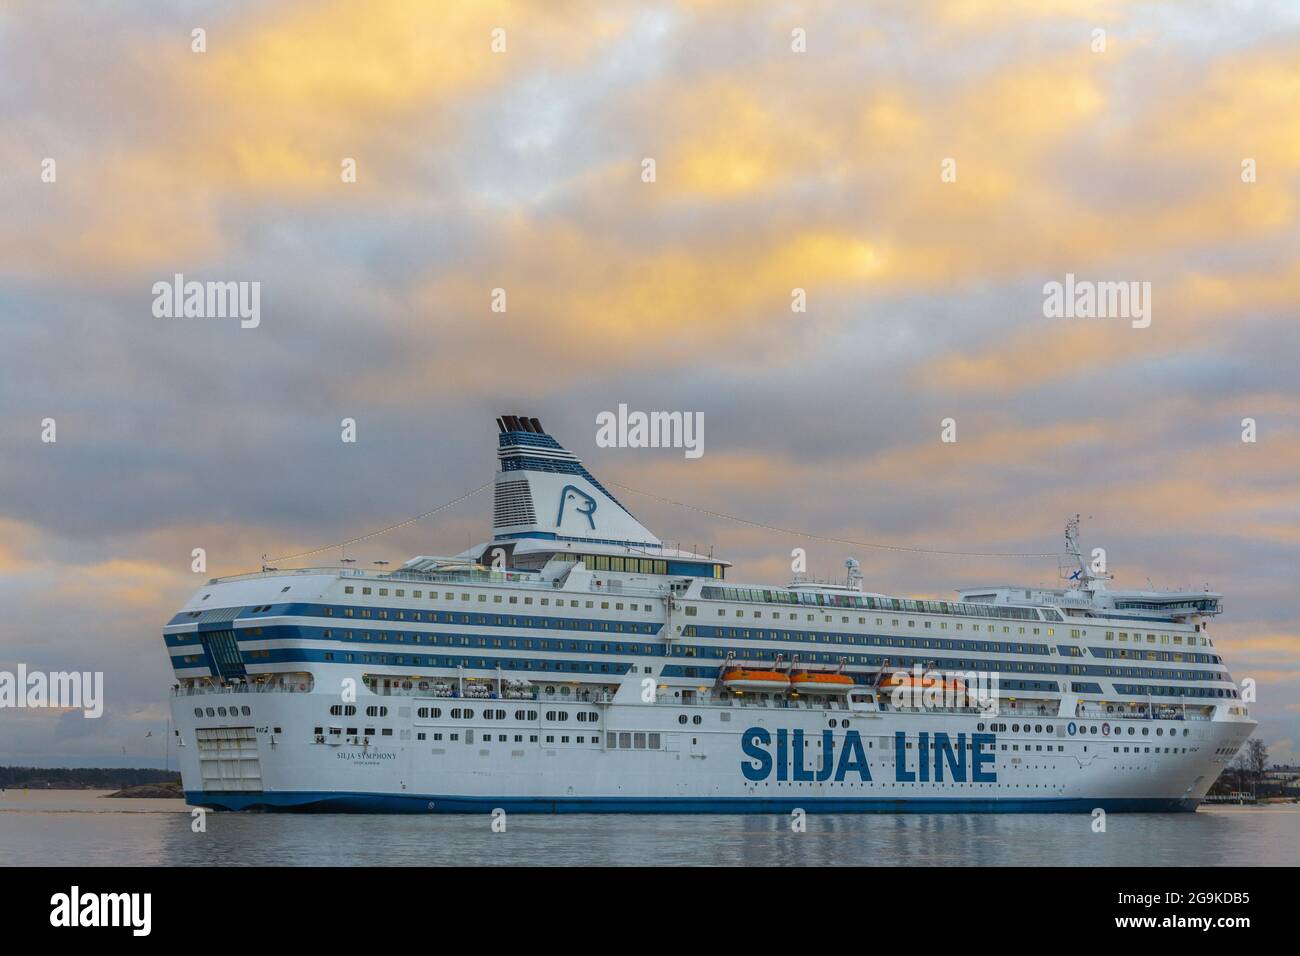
[577, 663]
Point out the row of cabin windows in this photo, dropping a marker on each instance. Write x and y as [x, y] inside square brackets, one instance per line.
[503, 738]
[478, 640]
[431, 617]
[467, 713]
[1192, 639]
[222, 712]
[952, 645]
[964, 609]
[880, 621]
[496, 599]
[814, 637]
[352, 731]
[609, 562]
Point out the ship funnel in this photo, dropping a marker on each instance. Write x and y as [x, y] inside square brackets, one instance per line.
[543, 490]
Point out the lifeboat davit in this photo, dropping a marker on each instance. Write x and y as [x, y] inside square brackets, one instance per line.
[811, 681]
[744, 678]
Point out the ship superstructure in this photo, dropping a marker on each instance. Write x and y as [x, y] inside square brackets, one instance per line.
[576, 663]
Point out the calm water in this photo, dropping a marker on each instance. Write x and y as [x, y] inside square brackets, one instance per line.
[82, 828]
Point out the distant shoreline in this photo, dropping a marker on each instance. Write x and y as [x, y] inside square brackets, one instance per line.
[86, 778]
[152, 791]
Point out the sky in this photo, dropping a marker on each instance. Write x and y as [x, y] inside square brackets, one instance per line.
[920, 169]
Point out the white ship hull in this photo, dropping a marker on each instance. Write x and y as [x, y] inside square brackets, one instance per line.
[696, 769]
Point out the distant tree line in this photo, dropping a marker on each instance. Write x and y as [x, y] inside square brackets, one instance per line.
[86, 778]
[1245, 772]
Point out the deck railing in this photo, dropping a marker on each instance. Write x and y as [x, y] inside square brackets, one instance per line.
[206, 690]
[510, 578]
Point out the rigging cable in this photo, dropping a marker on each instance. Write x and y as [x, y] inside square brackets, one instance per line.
[400, 524]
[833, 540]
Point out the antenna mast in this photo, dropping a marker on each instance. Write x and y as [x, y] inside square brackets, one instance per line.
[1083, 578]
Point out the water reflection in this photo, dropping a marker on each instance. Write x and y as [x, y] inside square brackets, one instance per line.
[82, 829]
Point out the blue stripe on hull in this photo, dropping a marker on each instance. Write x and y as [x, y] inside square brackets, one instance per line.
[324, 802]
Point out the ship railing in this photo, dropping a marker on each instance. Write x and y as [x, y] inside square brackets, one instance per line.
[976, 711]
[751, 702]
[506, 695]
[219, 689]
[511, 578]
[1093, 714]
[249, 575]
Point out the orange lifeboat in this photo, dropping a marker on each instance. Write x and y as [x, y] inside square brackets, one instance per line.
[745, 678]
[811, 681]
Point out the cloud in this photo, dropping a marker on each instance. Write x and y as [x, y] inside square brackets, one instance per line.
[521, 171]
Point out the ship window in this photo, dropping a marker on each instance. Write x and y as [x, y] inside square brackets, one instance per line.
[349, 589]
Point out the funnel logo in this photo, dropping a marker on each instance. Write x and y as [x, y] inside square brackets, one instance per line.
[584, 504]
